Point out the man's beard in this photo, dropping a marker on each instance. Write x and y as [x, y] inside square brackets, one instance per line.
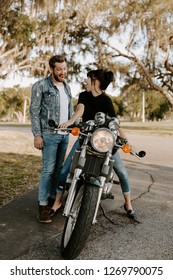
[56, 77]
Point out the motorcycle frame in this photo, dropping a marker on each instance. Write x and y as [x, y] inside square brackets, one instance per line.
[99, 181]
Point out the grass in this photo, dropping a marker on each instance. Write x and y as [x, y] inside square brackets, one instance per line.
[19, 173]
[151, 127]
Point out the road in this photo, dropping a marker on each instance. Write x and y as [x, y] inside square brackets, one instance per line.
[119, 238]
[115, 237]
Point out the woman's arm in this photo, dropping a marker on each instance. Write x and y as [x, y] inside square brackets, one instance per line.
[78, 113]
[122, 133]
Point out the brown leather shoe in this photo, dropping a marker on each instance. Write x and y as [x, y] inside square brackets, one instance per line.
[43, 215]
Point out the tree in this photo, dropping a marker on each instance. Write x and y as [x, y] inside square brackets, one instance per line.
[132, 38]
[24, 38]
[157, 107]
[119, 105]
[14, 104]
[148, 41]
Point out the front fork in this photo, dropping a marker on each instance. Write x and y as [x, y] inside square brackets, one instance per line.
[71, 193]
[102, 181]
[76, 175]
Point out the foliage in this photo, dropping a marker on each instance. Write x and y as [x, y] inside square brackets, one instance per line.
[157, 106]
[12, 103]
[119, 105]
[128, 105]
[134, 39]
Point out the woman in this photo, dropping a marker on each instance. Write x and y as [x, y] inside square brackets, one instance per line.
[91, 101]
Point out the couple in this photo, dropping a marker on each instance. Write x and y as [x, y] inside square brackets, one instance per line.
[51, 99]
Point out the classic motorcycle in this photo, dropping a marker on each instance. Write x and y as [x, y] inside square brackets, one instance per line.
[90, 179]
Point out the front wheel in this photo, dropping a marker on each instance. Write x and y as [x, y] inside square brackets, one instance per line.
[78, 225]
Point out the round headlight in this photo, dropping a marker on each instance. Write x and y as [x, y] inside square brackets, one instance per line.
[102, 140]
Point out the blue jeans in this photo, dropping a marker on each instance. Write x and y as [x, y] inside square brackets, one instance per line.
[121, 172]
[53, 153]
[119, 169]
[66, 167]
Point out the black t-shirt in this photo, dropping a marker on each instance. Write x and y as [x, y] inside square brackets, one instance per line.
[94, 104]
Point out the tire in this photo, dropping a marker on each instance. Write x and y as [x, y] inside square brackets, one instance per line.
[77, 228]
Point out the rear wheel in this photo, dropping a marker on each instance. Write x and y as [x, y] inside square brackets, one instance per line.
[78, 225]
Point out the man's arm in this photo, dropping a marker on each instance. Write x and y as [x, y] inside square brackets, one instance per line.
[35, 108]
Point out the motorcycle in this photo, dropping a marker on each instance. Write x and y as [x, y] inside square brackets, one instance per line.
[90, 178]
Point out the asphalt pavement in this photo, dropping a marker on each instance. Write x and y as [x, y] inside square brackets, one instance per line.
[114, 236]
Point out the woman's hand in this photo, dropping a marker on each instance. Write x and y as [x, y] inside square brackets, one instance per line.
[66, 124]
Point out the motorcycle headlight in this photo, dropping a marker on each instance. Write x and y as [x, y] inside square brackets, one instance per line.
[102, 140]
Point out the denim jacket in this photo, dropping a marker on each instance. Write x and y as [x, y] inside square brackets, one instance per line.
[45, 104]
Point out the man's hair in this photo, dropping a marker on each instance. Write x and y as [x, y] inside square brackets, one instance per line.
[103, 76]
[56, 58]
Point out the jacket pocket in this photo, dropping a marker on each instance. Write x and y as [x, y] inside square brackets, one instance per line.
[49, 98]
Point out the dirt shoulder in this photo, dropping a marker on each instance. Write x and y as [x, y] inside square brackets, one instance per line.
[20, 142]
[155, 138]
[157, 144]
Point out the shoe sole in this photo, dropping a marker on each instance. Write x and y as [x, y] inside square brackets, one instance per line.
[44, 222]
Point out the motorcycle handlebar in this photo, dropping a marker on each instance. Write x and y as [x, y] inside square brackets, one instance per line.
[52, 124]
[75, 130]
[72, 128]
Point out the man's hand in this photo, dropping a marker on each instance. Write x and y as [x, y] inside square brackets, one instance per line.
[38, 142]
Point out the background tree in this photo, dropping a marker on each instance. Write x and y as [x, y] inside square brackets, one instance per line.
[14, 104]
[119, 105]
[157, 107]
[131, 38]
[145, 30]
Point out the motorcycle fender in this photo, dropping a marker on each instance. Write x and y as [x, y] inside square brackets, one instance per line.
[92, 180]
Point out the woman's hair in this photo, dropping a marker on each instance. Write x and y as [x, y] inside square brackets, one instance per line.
[104, 77]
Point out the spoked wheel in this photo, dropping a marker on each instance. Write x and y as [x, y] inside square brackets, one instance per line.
[78, 225]
[71, 221]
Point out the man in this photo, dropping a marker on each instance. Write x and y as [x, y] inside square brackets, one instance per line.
[50, 99]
